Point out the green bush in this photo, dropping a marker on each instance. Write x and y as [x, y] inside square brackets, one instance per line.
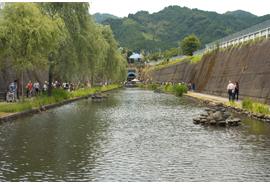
[179, 90]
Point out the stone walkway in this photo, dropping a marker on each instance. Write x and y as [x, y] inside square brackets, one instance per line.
[215, 99]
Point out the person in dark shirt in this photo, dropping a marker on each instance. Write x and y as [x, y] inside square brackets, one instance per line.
[236, 93]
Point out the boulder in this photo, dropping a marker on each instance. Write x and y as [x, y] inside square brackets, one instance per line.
[204, 115]
[203, 120]
[222, 123]
[213, 122]
[217, 116]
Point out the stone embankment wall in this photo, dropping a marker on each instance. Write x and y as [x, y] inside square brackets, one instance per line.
[248, 64]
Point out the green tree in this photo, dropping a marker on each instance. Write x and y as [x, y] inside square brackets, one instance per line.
[190, 44]
[27, 36]
[90, 51]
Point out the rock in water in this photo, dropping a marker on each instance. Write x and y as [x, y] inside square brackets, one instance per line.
[217, 115]
[213, 122]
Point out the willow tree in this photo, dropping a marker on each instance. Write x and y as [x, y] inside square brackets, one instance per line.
[111, 58]
[28, 36]
[90, 52]
[71, 55]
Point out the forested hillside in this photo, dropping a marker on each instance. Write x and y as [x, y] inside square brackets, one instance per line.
[164, 29]
[100, 17]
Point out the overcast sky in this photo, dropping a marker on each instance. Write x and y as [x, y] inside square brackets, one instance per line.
[122, 8]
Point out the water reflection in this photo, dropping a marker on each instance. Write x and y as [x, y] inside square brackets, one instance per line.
[135, 135]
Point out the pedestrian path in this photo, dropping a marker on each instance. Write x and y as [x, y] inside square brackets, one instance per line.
[216, 99]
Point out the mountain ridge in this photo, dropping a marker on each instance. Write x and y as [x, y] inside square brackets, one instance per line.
[100, 17]
[164, 29]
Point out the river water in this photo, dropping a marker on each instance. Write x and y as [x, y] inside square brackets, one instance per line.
[135, 135]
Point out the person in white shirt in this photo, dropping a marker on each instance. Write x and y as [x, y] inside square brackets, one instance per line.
[36, 88]
[231, 90]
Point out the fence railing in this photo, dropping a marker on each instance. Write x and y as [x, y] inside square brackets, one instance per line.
[261, 30]
[256, 31]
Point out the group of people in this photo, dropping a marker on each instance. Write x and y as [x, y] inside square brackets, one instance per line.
[233, 91]
[34, 89]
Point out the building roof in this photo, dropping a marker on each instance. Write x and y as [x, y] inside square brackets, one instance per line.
[136, 56]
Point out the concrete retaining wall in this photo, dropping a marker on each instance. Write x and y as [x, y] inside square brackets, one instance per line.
[248, 64]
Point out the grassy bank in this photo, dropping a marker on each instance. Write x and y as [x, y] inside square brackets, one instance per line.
[58, 95]
[252, 106]
[177, 89]
[192, 59]
[255, 107]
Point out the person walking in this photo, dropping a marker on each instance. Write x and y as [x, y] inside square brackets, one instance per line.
[36, 88]
[45, 86]
[231, 89]
[29, 89]
[11, 95]
[236, 92]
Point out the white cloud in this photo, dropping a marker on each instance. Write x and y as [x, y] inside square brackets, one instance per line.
[124, 7]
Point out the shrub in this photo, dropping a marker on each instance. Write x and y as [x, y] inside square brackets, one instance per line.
[180, 89]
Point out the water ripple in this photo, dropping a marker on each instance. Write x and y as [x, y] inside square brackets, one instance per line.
[135, 135]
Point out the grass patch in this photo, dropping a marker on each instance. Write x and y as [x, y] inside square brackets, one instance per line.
[165, 64]
[15, 107]
[255, 107]
[152, 86]
[192, 59]
[233, 104]
[196, 59]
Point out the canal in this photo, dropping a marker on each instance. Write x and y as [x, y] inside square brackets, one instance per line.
[135, 135]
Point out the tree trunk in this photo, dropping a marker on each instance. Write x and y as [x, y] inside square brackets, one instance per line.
[50, 80]
[22, 86]
[92, 80]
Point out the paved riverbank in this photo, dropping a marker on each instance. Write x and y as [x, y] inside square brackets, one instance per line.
[236, 107]
[215, 99]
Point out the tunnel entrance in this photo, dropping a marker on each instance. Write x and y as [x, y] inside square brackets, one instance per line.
[131, 74]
